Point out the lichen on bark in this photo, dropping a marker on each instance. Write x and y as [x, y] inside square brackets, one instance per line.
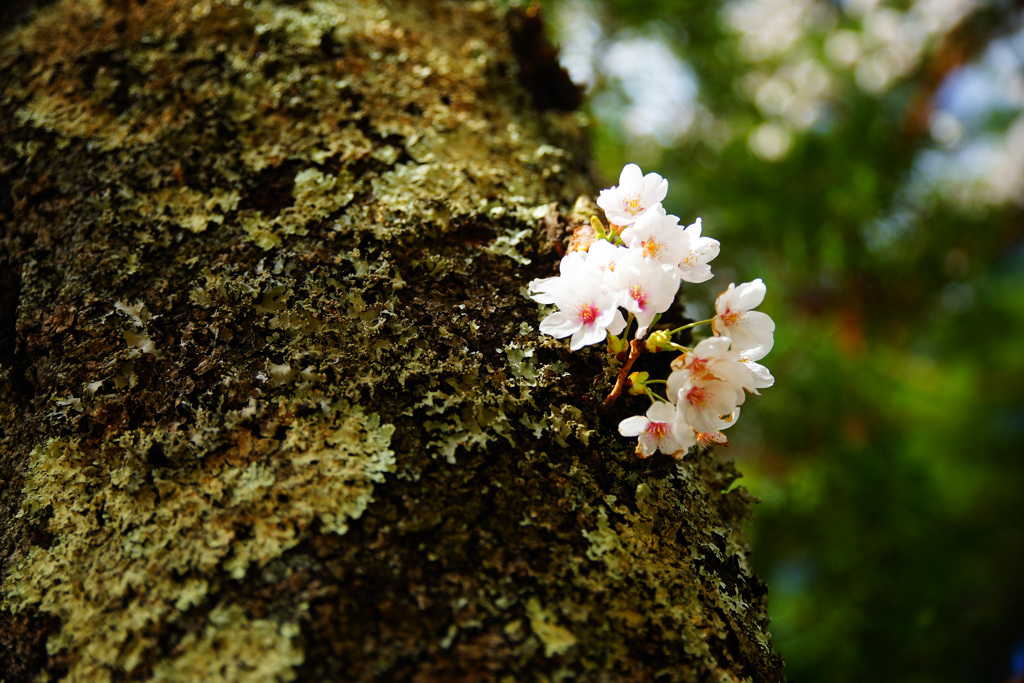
[273, 401]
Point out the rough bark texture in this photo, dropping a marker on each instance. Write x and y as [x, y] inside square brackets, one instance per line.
[273, 403]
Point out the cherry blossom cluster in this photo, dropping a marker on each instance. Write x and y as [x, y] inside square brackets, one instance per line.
[636, 264]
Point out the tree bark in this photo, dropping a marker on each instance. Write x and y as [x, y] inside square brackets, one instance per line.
[273, 403]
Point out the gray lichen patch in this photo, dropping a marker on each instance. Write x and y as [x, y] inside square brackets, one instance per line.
[397, 92]
[556, 638]
[233, 647]
[188, 208]
[635, 541]
[135, 545]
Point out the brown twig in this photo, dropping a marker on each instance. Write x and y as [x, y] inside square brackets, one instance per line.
[635, 347]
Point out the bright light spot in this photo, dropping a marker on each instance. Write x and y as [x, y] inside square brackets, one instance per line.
[843, 48]
[812, 80]
[973, 92]
[773, 96]
[661, 89]
[859, 8]
[580, 37]
[946, 129]
[882, 26]
[1006, 179]
[770, 141]
[803, 114]
[980, 166]
[642, 84]
[798, 93]
[875, 73]
[769, 28]
[937, 17]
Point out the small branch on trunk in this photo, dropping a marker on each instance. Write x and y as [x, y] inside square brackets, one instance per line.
[635, 348]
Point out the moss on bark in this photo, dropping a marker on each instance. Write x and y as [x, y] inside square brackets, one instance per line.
[274, 405]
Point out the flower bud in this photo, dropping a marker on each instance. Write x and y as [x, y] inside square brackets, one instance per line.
[637, 382]
[617, 346]
[659, 341]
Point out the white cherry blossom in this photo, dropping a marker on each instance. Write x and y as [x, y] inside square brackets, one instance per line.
[658, 237]
[714, 359]
[693, 267]
[587, 308]
[708, 404]
[662, 429]
[635, 194]
[759, 377]
[646, 288]
[604, 255]
[752, 332]
[571, 268]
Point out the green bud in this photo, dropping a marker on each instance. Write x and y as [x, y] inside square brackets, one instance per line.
[659, 341]
[616, 345]
[638, 383]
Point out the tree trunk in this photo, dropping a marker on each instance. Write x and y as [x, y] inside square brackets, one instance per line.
[273, 403]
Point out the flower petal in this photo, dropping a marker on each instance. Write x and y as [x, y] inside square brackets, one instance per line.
[655, 189]
[749, 295]
[633, 426]
[559, 324]
[617, 324]
[585, 336]
[631, 177]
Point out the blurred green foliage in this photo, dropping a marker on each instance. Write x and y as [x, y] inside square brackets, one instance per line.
[866, 159]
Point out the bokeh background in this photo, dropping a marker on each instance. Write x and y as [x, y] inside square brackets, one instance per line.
[865, 159]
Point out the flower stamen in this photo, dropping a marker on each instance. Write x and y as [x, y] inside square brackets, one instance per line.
[652, 248]
[587, 313]
[659, 430]
[634, 203]
[700, 371]
[697, 396]
[639, 295]
[731, 317]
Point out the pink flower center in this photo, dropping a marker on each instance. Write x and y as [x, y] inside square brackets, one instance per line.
[639, 295]
[659, 430]
[697, 396]
[587, 313]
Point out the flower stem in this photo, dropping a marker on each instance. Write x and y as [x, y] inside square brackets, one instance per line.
[635, 348]
[686, 327]
[654, 397]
